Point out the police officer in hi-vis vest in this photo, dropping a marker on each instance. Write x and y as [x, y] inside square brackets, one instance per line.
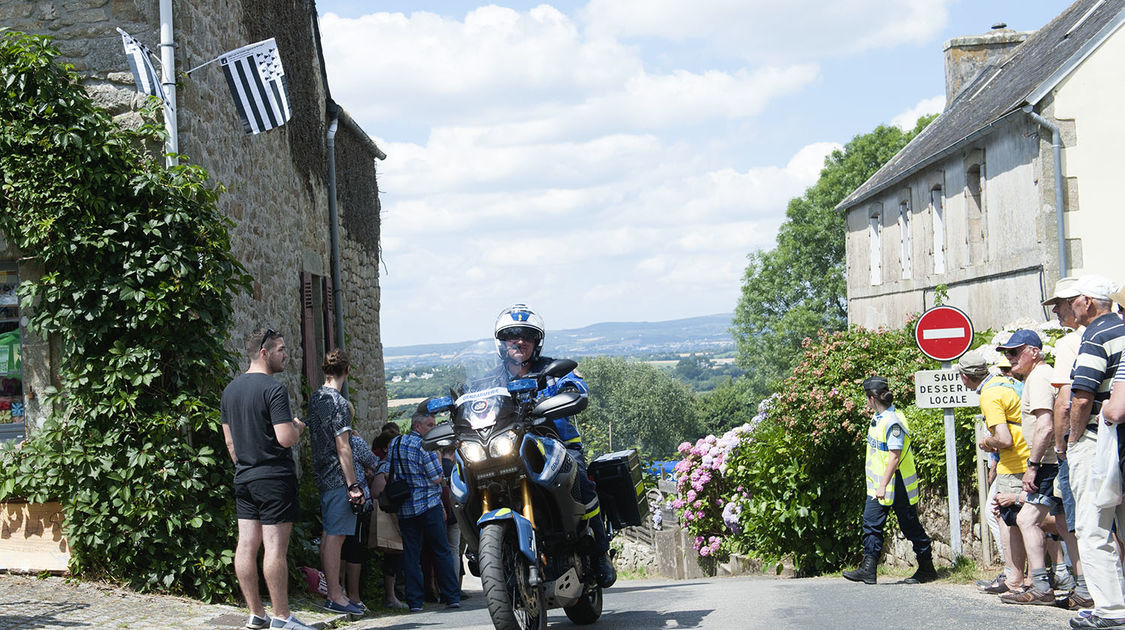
[891, 482]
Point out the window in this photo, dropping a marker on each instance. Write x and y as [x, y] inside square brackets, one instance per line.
[904, 233]
[11, 356]
[875, 249]
[974, 214]
[939, 229]
[318, 322]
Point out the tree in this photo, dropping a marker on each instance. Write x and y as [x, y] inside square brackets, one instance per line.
[643, 406]
[727, 406]
[798, 288]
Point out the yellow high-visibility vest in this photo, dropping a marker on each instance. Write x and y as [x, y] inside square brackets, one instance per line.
[878, 454]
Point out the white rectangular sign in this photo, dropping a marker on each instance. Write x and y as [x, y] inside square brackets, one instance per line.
[937, 389]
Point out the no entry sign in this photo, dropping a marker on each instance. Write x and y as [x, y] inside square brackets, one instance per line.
[944, 333]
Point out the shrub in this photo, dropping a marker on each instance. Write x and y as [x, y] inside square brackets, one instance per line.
[137, 287]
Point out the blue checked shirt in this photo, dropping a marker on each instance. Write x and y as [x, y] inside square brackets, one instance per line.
[419, 468]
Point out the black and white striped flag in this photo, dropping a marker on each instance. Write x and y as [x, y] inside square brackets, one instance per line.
[146, 76]
[257, 85]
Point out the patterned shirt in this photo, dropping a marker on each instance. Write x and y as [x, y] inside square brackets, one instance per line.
[362, 457]
[419, 468]
[1098, 359]
[329, 416]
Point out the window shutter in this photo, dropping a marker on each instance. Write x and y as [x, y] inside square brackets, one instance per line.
[308, 331]
[329, 314]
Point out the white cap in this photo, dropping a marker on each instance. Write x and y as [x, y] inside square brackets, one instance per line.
[1096, 287]
[1064, 290]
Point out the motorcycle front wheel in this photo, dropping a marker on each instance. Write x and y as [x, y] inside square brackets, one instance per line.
[513, 603]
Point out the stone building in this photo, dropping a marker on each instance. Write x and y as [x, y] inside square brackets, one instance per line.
[277, 182]
[981, 201]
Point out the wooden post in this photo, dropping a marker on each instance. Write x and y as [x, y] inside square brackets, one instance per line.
[982, 497]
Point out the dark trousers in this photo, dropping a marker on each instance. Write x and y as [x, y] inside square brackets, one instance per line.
[428, 526]
[875, 517]
[589, 494]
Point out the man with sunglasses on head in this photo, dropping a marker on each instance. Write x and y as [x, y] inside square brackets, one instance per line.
[260, 430]
[519, 334]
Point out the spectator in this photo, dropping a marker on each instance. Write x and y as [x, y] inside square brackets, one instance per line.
[1024, 349]
[452, 528]
[330, 427]
[1094, 369]
[354, 551]
[1066, 351]
[259, 431]
[1000, 404]
[392, 560]
[421, 517]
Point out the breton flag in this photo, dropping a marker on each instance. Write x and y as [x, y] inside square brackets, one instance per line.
[148, 80]
[257, 85]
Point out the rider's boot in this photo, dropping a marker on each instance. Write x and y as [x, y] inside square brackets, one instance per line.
[607, 575]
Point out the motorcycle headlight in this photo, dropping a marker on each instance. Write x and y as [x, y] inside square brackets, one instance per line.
[503, 445]
[473, 452]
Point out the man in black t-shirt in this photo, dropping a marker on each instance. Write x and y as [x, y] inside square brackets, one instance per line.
[259, 431]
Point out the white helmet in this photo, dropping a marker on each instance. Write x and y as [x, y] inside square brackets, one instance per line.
[519, 321]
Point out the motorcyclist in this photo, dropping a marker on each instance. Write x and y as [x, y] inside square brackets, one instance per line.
[519, 334]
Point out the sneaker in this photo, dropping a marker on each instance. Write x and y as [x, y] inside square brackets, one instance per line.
[987, 583]
[360, 605]
[996, 588]
[415, 609]
[349, 609]
[1094, 621]
[257, 623]
[1030, 596]
[1074, 601]
[395, 605]
[292, 623]
[453, 605]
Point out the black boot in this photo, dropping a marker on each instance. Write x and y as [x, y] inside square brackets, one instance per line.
[865, 573]
[925, 572]
[607, 575]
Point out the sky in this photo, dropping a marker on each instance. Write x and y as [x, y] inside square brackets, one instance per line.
[614, 160]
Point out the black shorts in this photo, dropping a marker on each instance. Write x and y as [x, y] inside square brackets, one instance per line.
[1045, 488]
[270, 501]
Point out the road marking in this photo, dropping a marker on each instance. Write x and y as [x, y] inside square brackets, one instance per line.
[944, 333]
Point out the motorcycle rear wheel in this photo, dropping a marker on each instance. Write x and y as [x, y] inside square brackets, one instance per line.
[512, 603]
[587, 609]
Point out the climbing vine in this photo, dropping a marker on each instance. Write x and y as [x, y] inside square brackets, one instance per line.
[136, 288]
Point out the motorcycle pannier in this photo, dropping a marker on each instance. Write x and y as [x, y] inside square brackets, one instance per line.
[620, 491]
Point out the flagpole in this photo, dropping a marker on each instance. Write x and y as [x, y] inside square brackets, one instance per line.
[168, 79]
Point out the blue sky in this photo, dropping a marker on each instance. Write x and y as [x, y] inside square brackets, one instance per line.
[614, 160]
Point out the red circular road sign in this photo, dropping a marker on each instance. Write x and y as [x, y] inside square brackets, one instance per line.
[944, 333]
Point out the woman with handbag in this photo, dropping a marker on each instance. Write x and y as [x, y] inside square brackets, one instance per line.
[386, 531]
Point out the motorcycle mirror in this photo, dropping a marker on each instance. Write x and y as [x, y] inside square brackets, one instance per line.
[560, 367]
[439, 437]
[561, 405]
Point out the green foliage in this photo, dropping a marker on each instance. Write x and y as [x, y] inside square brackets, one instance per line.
[728, 405]
[804, 468]
[137, 286]
[798, 288]
[646, 408]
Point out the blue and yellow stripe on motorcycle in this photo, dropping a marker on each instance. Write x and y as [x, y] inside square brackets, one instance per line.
[525, 533]
[553, 453]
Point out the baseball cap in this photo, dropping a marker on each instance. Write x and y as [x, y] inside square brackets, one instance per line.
[1022, 337]
[972, 364]
[1097, 287]
[1064, 290]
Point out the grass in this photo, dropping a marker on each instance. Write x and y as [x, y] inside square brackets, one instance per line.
[964, 571]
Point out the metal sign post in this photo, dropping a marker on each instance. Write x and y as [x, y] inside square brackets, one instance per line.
[945, 333]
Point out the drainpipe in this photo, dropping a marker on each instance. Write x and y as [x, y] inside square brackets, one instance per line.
[168, 80]
[333, 223]
[1056, 147]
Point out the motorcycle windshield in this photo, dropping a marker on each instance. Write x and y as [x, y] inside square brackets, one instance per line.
[482, 409]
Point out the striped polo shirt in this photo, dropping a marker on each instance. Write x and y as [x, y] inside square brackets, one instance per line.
[1098, 359]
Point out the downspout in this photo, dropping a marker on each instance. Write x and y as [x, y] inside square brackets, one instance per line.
[1056, 148]
[333, 223]
[168, 80]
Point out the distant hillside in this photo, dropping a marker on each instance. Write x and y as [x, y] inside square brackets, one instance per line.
[710, 333]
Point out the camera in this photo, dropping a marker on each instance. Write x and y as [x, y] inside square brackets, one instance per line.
[362, 508]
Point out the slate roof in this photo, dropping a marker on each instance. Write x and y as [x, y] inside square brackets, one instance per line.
[1033, 68]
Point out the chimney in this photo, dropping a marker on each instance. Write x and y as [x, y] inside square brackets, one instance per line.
[966, 57]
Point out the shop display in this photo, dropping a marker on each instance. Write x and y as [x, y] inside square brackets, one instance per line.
[11, 354]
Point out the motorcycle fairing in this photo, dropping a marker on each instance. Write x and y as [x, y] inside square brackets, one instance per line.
[525, 535]
[551, 452]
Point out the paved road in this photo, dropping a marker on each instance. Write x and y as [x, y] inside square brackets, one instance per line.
[718, 604]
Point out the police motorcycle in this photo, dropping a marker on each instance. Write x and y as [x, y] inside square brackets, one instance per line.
[516, 497]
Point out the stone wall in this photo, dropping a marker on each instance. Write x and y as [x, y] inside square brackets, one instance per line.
[276, 182]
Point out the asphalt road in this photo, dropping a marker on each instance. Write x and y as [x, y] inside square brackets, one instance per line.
[759, 602]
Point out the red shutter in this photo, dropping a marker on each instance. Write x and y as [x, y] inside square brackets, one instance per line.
[308, 332]
[329, 314]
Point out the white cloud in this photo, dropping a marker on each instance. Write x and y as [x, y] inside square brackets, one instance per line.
[906, 120]
[759, 30]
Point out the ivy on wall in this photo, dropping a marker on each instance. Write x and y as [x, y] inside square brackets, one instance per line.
[137, 285]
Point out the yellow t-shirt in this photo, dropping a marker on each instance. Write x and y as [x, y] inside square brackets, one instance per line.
[1001, 404]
